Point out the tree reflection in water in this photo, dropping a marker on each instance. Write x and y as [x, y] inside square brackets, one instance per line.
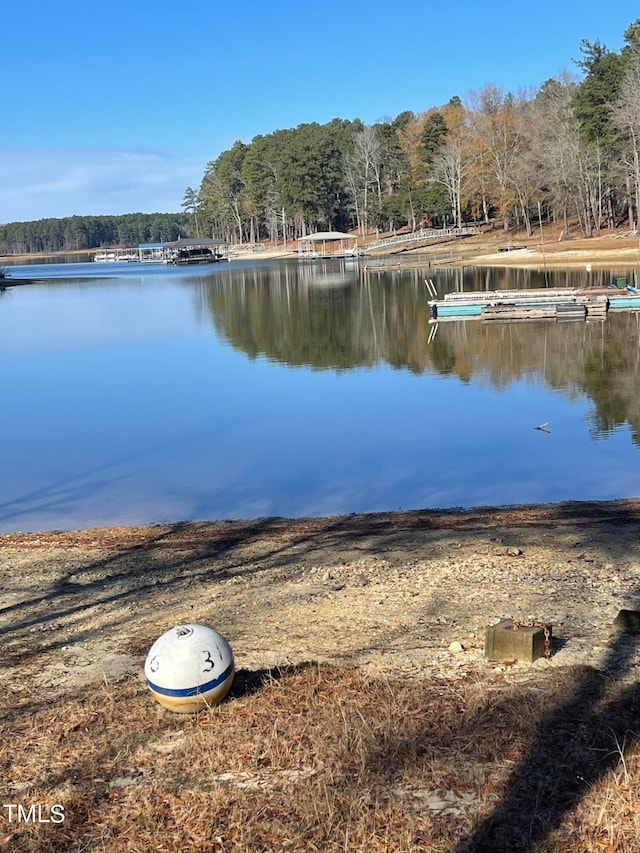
[328, 316]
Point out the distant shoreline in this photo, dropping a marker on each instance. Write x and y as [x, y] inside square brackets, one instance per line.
[620, 250]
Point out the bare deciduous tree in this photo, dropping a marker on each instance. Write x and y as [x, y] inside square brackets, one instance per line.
[626, 115]
[363, 173]
[450, 171]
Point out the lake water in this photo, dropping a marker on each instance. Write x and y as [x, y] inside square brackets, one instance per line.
[138, 394]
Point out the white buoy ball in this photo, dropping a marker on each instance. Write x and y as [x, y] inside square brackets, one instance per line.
[189, 668]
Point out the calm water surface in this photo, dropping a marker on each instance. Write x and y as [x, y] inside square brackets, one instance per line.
[142, 394]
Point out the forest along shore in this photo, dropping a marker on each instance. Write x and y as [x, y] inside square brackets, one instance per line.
[408, 593]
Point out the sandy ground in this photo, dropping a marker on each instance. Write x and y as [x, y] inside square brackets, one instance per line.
[407, 593]
[610, 252]
[597, 254]
[621, 250]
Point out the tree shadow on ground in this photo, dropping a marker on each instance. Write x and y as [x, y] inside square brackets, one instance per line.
[576, 744]
[164, 559]
[150, 564]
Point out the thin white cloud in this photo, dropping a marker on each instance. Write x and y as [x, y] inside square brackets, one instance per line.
[53, 182]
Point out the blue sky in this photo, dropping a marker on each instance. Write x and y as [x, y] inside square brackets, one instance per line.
[114, 108]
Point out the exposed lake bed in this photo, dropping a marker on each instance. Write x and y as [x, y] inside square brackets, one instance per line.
[340, 627]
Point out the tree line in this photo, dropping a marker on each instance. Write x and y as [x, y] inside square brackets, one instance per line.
[75, 233]
[568, 152]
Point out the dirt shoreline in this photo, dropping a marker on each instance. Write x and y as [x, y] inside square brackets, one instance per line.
[392, 593]
[615, 250]
[618, 251]
[621, 251]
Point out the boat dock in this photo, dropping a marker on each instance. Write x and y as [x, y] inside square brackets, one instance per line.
[188, 250]
[328, 245]
[559, 303]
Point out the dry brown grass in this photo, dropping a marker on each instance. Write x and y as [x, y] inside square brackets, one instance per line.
[326, 759]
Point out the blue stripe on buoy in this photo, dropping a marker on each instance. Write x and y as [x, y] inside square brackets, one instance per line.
[192, 691]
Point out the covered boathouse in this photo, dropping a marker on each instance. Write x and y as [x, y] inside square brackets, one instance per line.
[197, 250]
[327, 244]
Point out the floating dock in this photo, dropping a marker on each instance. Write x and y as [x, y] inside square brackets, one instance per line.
[553, 303]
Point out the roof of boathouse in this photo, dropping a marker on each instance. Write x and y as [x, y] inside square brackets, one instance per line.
[195, 242]
[327, 236]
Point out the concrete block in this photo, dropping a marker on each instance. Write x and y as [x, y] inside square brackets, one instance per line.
[527, 643]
